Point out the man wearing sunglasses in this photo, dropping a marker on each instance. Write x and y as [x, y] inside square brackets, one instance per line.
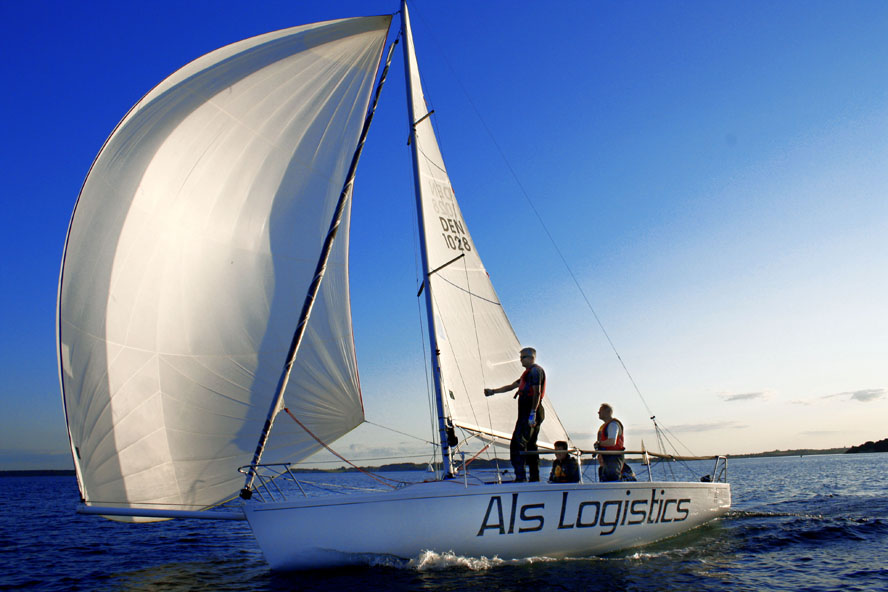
[531, 390]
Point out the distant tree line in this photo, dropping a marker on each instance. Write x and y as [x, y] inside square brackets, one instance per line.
[796, 452]
[880, 446]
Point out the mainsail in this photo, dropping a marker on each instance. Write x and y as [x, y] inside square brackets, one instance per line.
[478, 347]
[189, 252]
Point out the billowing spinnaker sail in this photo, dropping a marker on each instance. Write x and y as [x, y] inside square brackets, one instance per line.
[189, 254]
[478, 347]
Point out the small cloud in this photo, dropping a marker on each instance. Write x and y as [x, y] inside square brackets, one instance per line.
[699, 427]
[583, 435]
[709, 427]
[867, 395]
[746, 396]
[863, 395]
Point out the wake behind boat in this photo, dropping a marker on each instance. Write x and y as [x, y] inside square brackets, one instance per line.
[220, 202]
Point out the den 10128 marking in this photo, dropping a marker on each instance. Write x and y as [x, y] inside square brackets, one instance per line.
[455, 235]
[607, 515]
[456, 243]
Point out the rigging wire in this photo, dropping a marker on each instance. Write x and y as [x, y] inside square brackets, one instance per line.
[561, 256]
[417, 267]
[662, 433]
[400, 432]
[397, 457]
[545, 228]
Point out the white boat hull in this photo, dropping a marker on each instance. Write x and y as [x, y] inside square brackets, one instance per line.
[512, 520]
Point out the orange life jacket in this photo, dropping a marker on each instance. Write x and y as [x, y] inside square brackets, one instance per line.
[602, 436]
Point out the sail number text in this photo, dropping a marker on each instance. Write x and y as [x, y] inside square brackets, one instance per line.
[453, 230]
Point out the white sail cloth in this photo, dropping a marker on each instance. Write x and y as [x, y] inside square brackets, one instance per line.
[193, 242]
[478, 347]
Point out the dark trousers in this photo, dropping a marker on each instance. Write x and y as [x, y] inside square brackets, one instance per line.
[524, 439]
[611, 468]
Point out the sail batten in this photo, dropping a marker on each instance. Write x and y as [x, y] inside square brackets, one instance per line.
[196, 230]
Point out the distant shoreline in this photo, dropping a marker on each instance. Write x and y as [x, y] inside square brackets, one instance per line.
[38, 473]
[478, 464]
[799, 452]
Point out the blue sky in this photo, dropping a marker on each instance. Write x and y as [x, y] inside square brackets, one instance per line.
[715, 174]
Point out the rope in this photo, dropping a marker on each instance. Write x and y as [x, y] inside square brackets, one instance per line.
[399, 432]
[339, 456]
[477, 454]
[663, 435]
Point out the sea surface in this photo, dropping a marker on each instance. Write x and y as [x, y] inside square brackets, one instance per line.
[797, 523]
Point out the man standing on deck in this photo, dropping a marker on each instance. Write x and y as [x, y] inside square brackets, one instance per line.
[531, 390]
[610, 437]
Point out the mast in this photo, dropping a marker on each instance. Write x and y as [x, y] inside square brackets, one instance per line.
[447, 462]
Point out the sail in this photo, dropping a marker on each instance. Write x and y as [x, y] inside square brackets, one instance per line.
[478, 347]
[189, 253]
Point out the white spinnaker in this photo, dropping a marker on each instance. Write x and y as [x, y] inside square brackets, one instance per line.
[189, 254]
[478, 347]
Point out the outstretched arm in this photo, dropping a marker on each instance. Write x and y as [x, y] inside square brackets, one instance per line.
[503, 389]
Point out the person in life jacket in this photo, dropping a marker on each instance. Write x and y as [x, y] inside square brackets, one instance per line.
[565, 469]
[531, 390]
[610, 437]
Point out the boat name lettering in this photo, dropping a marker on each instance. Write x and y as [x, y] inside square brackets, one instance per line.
[576, 512]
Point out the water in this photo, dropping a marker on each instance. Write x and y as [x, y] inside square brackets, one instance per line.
[798, 523]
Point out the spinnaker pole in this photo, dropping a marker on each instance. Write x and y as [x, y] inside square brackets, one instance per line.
[315, 284]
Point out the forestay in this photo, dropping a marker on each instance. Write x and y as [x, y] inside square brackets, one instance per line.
[188, 256]
[478, 347]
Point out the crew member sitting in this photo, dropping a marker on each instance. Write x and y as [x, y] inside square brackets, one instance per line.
[565, 468]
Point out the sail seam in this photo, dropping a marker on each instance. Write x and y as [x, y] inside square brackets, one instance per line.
[469, 292]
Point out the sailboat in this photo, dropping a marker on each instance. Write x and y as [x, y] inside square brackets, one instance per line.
[204, 301]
